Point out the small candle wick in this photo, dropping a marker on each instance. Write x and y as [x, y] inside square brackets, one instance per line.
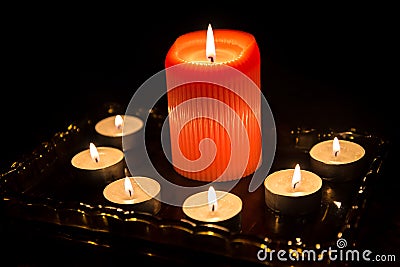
[130, 193]
[211, 58]
[294, 185]
[96, 159]
[336, 153]
[213, 208]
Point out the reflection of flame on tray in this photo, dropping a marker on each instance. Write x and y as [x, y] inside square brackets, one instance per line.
[38, 191]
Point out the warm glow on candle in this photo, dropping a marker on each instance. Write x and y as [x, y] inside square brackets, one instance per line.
[128, 187]
[212, 199]
[214, 100]
[118, 121]
[335, 146]
[94, 153]
[210, 45]
[296, 176]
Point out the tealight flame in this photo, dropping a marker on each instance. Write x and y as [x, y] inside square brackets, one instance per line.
[212, 199]
[335, 146]
[128, 187]
[94, 153]
[118, 122]
[296, 176]
[210, 45]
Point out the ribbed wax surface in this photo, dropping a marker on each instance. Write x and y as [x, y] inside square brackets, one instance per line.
[207, 100]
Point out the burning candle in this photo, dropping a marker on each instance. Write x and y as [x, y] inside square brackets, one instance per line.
[214, 113]
[338, 160]
[293, 191]
[120, 131]
[98, 165]
[219, 207]
[139, 193]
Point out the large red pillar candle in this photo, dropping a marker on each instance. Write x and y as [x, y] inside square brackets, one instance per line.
[207, 100]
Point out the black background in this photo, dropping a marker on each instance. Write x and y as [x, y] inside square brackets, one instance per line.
[329, 64]
[322, 66]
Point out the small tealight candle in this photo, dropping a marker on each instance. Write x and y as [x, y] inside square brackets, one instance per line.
[138, 193]
[121, 131]
[216, 207]
[98, 165]
[337, 161]
[293, 191]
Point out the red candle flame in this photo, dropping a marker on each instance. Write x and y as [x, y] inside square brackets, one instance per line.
[210, 44]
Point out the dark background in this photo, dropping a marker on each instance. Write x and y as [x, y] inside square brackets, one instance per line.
[322, 66]
[329, 64]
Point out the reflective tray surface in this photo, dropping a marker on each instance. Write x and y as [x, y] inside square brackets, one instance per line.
[39, 190]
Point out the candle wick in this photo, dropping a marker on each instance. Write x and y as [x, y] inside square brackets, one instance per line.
[211, 58]
[96, 159]
[213, 208]
[336, 153]
[130, 193]
[294, 185]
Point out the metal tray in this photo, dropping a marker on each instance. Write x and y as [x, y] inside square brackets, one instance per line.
[37, 190]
